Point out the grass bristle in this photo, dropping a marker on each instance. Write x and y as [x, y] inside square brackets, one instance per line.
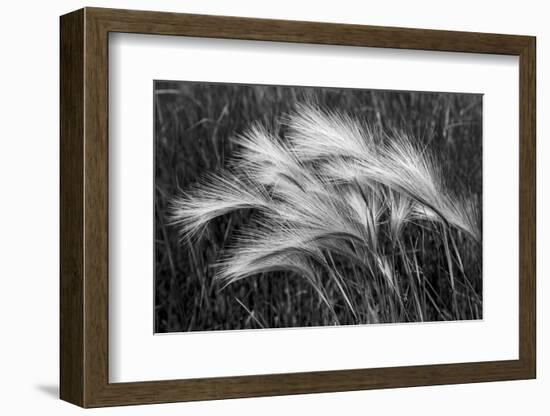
[333, 197]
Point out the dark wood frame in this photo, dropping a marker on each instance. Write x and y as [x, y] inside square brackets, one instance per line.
[84, 208]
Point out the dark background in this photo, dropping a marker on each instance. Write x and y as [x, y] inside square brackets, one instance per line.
[193, 126]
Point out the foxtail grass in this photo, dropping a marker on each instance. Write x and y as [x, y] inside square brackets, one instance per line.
[342, 205]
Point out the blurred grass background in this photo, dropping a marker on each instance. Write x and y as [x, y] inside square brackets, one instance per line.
[194, 123]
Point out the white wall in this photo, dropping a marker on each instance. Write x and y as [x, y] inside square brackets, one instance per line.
[29, 207]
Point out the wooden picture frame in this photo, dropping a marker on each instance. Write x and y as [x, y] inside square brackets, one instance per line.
[84, 207]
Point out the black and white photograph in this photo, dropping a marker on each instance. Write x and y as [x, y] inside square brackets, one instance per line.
[299, 206]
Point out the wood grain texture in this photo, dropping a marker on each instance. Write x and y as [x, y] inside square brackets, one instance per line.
[71, 100]
[527, 208]
[84, 207]
[226, 27]
[96, 218]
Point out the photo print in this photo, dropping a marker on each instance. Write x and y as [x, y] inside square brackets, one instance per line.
[291, 206]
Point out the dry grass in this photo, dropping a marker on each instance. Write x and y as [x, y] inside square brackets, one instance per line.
[330, 194]
[322, 214]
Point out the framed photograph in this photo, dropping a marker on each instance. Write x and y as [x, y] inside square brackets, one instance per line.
[260, 207]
